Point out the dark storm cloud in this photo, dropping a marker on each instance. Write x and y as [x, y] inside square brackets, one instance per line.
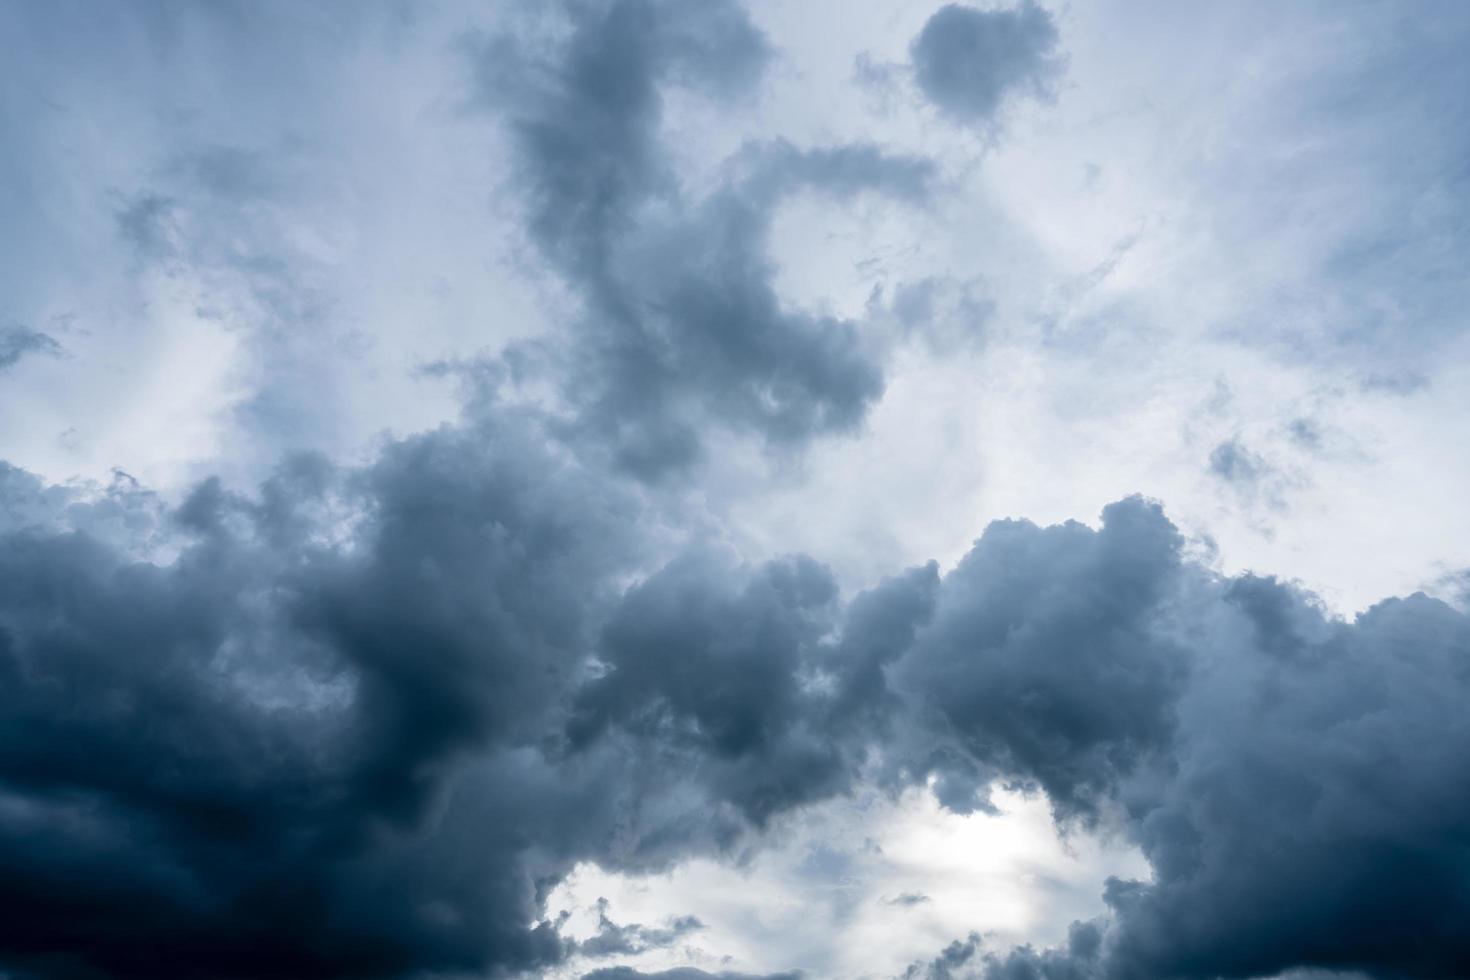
[698, 660]
[682, 325]
[366, 719]
[1318, 817]
[17, 342]
[361, 722]
[1291, 779]
[260, 751]
[733, 677]
[968, 61]
[322, 741]
[1041, 660]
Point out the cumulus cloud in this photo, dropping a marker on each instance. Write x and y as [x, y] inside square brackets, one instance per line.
[968, 61]
[241, 750]
[364, 717]
[1282, 772]
[1041, 658]
[681, 973]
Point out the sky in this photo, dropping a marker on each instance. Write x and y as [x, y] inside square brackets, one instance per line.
[745, 489]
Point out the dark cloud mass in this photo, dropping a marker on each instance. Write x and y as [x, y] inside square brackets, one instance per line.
[226, 766]
[361, 720]
[967, 61]
[364, 718]
[1042, 657]
[1288, 776]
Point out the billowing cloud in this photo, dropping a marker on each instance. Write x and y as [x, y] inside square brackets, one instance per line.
[241, 750]
[1042, 659]
[361, 714]
[361, 717]
[1284, 773]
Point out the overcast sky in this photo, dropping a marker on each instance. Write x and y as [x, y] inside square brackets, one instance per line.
[745, 488]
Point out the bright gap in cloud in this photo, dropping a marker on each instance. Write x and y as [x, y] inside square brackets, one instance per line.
[862, 888]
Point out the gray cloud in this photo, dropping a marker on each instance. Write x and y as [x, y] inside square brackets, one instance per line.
[1041, 659]
[681, 973]
[262, 749]
[1235, 464]
[1284, 773]
[967, 61]
[360, 721]
[700, 662]
[682, 326]
[17, 342]
[1080, 959]
[613, 939]
[366, 717]
[952, 962]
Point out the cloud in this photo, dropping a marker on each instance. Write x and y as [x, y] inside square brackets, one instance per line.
[613, 939]
[1041, 661]
[262, 749]
[681, 973]
[968, 61]
[360, 720]
[1079, 960]
[682, 329]
[698, 662]
[907, 900]
[948, 965]
[1312, 770]
[18, 342]
[1284, 773]
[365, 717]
[1235, 464]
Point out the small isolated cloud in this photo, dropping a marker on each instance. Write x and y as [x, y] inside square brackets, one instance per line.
[613, 939]
[18, 342]
[968, 61]
[907, 900]
[1251, 477]
[1235, 464]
